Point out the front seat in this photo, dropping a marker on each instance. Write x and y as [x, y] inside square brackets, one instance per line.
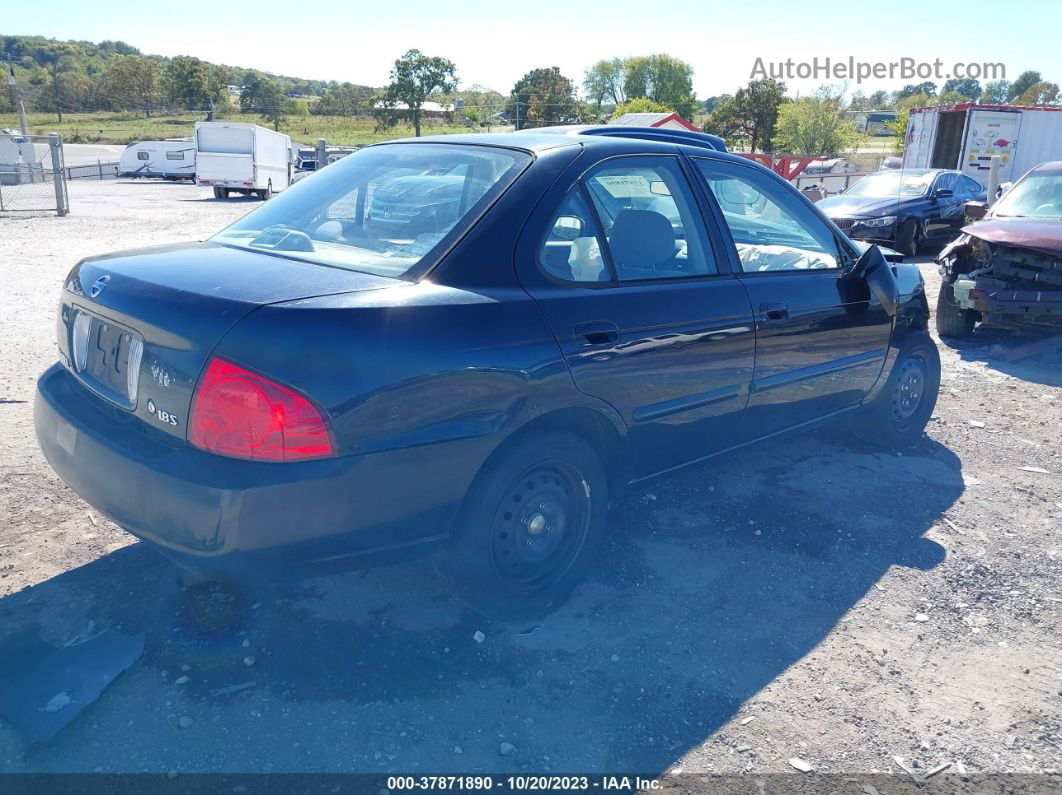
[640, 240]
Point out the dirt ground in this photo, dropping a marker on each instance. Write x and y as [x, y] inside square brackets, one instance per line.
[807, 599]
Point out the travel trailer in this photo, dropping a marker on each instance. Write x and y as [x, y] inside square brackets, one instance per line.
[173, 158]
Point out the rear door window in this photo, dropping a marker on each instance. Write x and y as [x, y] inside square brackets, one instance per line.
[572, 249]
[650, 219]
[628, 219]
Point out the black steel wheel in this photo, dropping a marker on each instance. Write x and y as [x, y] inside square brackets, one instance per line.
[902, 408]
[530, 526]
[909, 389]
[539, 527]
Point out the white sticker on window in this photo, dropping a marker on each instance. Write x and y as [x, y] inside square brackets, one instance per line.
[625, 186]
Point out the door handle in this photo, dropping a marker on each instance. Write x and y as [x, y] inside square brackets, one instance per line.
[775, 311]
[598, 332]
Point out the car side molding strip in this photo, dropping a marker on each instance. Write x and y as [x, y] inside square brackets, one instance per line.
[668, 407]
[806, 373]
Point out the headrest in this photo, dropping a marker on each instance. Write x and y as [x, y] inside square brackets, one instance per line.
[641, 239]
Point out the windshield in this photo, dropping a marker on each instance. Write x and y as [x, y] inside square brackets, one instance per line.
[1036, 196]
[892, 184]
[381, 210]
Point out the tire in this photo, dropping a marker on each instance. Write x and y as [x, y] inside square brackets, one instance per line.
[952, 319]
[909, 237]
[220, 193]
[899, 414]
[267, 194]
[530, 527]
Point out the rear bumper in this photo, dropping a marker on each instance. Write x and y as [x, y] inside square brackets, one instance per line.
[224, 183]
[213, 513]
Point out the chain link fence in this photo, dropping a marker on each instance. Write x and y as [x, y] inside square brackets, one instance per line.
[32, 176]
[97, 170]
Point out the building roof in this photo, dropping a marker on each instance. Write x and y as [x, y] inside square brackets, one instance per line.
[651, 120]
[426, 107]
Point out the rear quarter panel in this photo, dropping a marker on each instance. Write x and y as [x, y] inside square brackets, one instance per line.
[421, 383]
[414, 364]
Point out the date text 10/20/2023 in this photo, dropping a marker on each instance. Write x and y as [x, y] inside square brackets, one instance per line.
[530, 783]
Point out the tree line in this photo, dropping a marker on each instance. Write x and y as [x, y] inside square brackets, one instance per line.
[81, 76]
[760, 117]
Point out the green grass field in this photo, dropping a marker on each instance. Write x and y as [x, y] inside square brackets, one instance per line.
[123, 128]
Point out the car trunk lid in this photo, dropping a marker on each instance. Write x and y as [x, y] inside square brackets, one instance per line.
[151, 317]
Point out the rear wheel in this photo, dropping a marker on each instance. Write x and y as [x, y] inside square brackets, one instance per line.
[909, 237]
[221, 193]
[267, 194]
[899, 413]
[530, 527]
[952, 319]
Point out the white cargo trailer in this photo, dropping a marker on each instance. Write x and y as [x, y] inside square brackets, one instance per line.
[241, 158]
[967, 136]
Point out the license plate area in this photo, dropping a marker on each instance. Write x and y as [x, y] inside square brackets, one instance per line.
[112, 355]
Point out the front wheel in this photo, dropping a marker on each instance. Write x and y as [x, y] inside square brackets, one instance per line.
[900, 412]
[909, 237]
[530, 527]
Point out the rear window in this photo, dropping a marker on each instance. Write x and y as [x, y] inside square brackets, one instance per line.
[382, 210]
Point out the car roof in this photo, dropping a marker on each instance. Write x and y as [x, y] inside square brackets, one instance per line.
[615, 141]
[1052, 167]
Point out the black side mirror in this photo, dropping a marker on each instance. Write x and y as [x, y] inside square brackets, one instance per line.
[874, 269]
[943, 193]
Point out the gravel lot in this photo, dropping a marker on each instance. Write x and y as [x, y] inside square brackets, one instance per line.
[808, 599]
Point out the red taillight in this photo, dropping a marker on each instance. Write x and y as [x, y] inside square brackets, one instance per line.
[239, 413]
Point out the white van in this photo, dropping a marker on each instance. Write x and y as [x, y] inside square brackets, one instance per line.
[173, 158]
[241, 158]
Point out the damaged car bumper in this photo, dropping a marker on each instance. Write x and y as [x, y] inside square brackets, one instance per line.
[1005, 283]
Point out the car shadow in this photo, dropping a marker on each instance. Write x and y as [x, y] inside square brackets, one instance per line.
[156, 181]
[229, 200]
[711, 584]
[990, 344]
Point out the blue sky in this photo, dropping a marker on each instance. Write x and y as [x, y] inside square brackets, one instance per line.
[494, 43]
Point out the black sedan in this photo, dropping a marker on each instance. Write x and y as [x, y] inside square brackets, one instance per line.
[904, 208]
[469, 345]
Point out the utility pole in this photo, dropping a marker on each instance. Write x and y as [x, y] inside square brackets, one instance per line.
[16, 100]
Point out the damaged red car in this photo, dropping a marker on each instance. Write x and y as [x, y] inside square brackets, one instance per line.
[1006, 268]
